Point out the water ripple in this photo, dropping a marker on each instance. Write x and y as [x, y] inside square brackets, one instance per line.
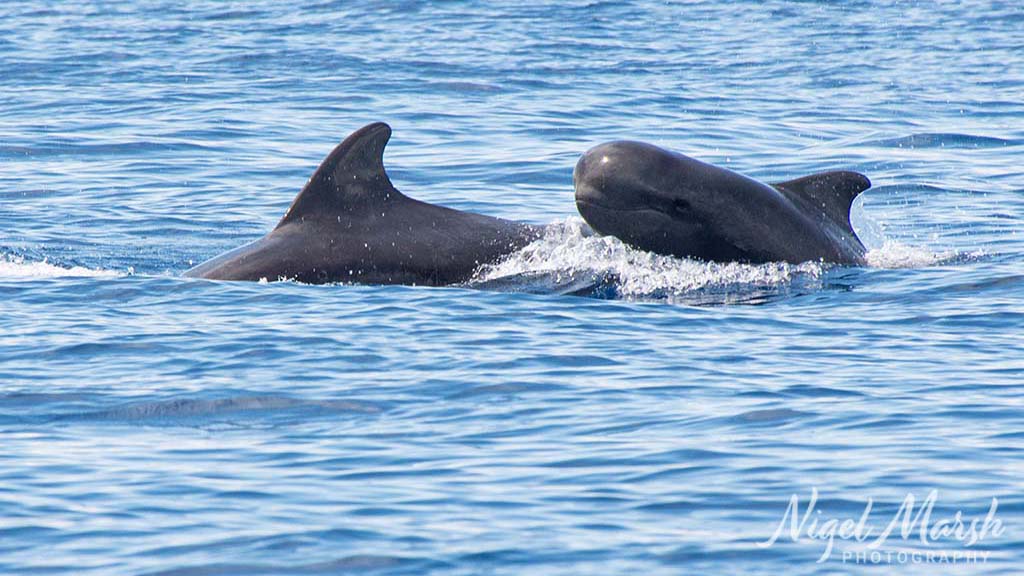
[579, 408]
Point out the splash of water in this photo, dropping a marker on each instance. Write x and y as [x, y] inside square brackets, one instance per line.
[570, 249]
[895, 254]
[17, 268]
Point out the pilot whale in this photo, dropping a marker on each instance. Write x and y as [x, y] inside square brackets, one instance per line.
[350, 224]
[664, 202]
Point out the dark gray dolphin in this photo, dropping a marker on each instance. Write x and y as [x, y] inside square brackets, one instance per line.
[664, 202]
[349, 224]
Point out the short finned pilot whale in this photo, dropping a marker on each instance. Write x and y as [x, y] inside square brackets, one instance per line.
[668, 203]
[349, 224]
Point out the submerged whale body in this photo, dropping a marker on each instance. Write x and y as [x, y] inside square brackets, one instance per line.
[668, 203]
[350, 224]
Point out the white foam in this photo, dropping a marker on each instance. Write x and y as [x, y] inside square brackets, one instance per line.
[894, 254]
[890, 253]
[16, 268]
[568, 249]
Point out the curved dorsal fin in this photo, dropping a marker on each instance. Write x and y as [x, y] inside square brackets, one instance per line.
[352, 176]
[832, 192]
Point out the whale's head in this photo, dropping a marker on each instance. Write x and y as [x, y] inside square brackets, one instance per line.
[649, 198]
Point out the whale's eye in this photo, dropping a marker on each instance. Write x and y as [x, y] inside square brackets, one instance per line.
[682, 206]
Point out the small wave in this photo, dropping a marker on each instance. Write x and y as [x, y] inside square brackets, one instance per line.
[570, 250]
[942, 140]
[199, 409]
[347, 565]
[464, 87]
[17, 268]
[69, 148]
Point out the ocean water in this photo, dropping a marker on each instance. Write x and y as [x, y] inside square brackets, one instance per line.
[581, 408]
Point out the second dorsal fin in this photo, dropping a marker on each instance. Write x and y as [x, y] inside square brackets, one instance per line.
[832, 192]
[351, 177]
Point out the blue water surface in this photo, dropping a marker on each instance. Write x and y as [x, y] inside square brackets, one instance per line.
[582, 408]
